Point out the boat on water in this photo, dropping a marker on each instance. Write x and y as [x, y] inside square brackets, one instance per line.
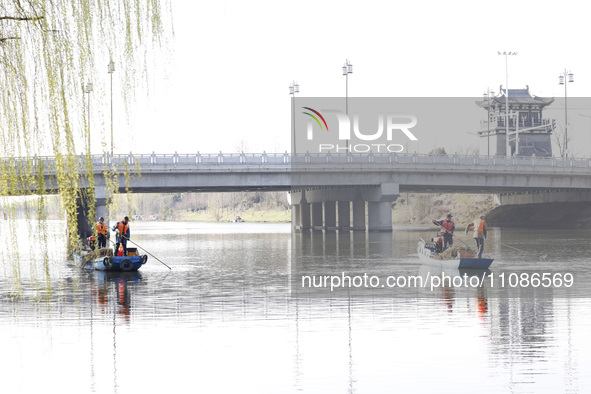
[97, 260]
[430, 252]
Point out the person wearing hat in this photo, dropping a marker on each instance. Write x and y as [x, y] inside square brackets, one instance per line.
[447, 230]
[480, 232]
[122, 235]
[101, 231]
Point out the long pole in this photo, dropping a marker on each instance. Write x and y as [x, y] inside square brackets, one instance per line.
[488, 122]
[347, 101]
[347, 94]
[488, 127]
[89, 122]
[293, 117]
[565, 116]
[508, 146]
[144, 250]
[111, 114]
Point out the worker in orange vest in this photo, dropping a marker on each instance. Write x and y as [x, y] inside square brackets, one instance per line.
[122, 230]
[101, 231]
[447, 230]
[480, 232]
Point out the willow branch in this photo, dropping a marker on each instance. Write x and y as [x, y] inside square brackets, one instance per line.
[21, 18]
[8, 38]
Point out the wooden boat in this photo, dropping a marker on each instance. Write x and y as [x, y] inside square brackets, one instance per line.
[110, 263]
[465, 260]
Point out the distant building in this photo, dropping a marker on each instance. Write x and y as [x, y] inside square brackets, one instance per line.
[532, 134]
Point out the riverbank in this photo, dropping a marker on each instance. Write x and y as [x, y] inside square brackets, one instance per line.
[249, 216]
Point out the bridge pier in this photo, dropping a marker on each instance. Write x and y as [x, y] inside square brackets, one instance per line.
[358, 215]
[305, 216]
[344, 215]
[330, 216]
[82, 217]
[85, 222]
[323, 206]
[316, 216]
[379, 215]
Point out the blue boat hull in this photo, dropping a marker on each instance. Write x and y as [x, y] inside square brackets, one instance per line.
[114, 263]
[474, 263]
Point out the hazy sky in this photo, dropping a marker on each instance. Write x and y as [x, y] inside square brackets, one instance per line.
[234, 62]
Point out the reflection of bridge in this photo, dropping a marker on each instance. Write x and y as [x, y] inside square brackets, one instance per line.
[327, 187]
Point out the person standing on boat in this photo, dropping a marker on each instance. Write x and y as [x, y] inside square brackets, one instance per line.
[122, 235]
[480, 232]
[447, 230]
[101, 231]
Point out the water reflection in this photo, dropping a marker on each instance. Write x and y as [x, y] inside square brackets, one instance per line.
[225, 319]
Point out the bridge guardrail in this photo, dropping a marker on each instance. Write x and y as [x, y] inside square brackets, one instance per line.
[154, 160]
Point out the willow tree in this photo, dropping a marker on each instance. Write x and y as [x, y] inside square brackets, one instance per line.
[49, 49]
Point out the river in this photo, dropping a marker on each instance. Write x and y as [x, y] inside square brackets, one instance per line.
[228, 317]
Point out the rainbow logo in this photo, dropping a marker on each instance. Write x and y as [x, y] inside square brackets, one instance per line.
[315, 118]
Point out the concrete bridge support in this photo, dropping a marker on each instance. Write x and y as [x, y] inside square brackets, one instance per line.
[330, 215]
[379, 215]
[344, 215]
[305, 216]
[82, 217]
[574, 195]
[85, 218]
[358, 215]
[316, 216]
[328, 204]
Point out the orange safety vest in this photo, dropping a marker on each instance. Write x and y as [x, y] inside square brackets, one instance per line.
[446, 226]
[479, 227]
[101, 228]
[122, 227]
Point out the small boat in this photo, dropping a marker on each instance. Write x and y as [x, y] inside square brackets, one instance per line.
[428, 253]
[110, 263]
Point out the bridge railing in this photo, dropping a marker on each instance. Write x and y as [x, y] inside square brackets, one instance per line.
[146, 161]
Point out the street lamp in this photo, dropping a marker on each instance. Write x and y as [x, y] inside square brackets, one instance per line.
[111, 66]
[487, 95]
[293, 89]
[347, 69]
[507, 54]
[87, 89]
[562, 81]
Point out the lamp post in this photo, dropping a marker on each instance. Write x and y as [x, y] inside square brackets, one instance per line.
[111, 68]
[293, 89]
[347, 69]
[562, 81]
[487, 95]
[507, 54]
[87, 89]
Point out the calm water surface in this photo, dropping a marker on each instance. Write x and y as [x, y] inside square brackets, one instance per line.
[223, 320]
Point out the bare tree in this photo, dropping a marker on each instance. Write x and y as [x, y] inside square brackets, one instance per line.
[562, 141]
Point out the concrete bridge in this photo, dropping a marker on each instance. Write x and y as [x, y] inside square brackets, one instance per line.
[326, 190]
